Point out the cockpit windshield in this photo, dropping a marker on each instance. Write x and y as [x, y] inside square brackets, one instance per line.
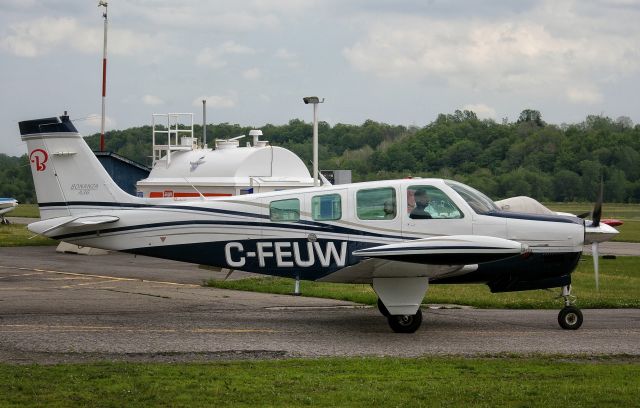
[479, 202]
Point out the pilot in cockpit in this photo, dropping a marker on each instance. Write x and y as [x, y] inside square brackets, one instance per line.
[420, 212]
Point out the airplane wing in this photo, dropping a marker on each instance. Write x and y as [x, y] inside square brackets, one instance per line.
[436, 258]
[7, 204]
[447, 250]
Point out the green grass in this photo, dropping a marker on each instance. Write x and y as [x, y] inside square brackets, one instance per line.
[619, 288]
[354, 382]
[628, 213]
[25, 210]
[18, 235]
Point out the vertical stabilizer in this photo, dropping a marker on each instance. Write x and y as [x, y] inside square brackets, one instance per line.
[68, 177]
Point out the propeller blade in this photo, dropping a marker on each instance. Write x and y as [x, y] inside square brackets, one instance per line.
[594, 252]
[584, 215]
[597, 209]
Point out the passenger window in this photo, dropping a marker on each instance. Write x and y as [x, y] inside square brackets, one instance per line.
[376, 204]
[285, 210]
[326, 207]
[425, 202]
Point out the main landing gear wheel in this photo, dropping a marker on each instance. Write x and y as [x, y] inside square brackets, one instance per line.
[383, 309]
[570, 318]
[405, 323]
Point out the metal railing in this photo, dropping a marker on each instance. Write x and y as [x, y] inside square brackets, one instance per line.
[171, 132]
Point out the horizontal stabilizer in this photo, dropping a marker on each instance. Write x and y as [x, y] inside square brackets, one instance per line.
[92, 220]
[42, 227]
[447, 250]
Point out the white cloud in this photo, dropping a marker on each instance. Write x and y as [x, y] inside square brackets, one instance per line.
[231, 47]
[218, 101]
[289, 57]
[481, 110]
[585, 94]
[18, 4]
[214, 16]
[252, 74]
[91, 123]
[216, 57]
[550, 47]
[152, 100]
[209, 57]
[43, 35]
[284, 54]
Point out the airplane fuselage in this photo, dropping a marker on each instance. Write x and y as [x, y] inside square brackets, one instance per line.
[252, 233]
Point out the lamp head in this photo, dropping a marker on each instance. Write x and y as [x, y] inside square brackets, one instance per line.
[310, 99]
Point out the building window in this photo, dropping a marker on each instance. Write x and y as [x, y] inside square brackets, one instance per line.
[376, 204]
[326, 207]
[285, 210]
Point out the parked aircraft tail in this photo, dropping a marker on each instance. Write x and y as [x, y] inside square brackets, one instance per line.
[68, 178]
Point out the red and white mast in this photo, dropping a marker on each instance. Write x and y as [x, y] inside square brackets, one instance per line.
[103, 3]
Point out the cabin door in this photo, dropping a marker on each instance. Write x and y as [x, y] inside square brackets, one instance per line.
[427, 211]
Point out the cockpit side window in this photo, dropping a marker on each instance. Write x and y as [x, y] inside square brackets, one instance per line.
[427, 202]
[479, 202]
[376, 203]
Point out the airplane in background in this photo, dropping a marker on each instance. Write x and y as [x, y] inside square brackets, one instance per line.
[400, 236]
[7, 205]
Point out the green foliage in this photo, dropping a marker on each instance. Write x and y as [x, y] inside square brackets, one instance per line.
[15, 178]
[26, 210]
[12, 235]
[529, 157]
[330, 382]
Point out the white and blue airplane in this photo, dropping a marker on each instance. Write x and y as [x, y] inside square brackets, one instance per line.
[7, 205]
[397, 235]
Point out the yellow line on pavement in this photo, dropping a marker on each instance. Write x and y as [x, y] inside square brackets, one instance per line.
[21, 274]
[113, 278]
[31, 328]
[89, 283]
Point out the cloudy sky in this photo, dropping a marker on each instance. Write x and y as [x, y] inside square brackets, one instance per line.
[395, 61]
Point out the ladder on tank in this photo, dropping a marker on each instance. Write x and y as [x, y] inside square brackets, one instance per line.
[171, 132]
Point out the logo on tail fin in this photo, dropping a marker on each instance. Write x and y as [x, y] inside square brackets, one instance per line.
[39, 157]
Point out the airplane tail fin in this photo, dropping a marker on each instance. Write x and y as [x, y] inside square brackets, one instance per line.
[68, 178]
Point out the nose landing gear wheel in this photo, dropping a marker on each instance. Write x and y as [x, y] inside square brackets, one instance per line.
[405, 323]
[570, 318]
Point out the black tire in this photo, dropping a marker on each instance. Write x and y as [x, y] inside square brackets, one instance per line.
[570, 318]
[405, 324]
[383, 309]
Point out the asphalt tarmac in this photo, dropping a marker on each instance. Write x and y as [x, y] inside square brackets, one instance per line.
[72, 308]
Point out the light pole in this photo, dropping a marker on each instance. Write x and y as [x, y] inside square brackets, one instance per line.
[204, 123]
[315, 101]
[103, 3]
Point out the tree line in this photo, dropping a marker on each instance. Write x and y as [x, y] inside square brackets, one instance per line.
[526, 157]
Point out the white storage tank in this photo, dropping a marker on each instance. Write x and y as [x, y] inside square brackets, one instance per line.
[183, 170]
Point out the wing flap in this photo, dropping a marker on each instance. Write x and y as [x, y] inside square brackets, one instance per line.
[447, 250]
